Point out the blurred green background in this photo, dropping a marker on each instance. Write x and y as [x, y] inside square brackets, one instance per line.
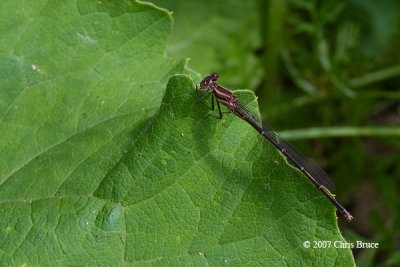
[327, 74]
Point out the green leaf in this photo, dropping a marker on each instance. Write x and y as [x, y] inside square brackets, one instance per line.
[240, 202]
[101, 166]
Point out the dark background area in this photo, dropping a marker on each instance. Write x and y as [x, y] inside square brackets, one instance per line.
[327, 74]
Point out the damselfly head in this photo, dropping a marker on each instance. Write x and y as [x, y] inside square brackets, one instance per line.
[208, 81]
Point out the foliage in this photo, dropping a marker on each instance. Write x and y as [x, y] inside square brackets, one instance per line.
[328, 69]
[107, 160]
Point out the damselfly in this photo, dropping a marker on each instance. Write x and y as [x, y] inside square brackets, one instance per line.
[314, 173]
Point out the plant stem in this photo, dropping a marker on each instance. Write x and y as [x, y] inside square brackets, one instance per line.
[340, 132]
[376, 76]
[272, 18]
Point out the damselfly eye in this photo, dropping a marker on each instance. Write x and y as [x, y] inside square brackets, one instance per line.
[204, 84]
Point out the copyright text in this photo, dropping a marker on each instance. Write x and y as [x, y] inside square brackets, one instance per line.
[339, 244]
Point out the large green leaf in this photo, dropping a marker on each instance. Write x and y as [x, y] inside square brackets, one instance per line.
[234, 197]
[92, 174]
